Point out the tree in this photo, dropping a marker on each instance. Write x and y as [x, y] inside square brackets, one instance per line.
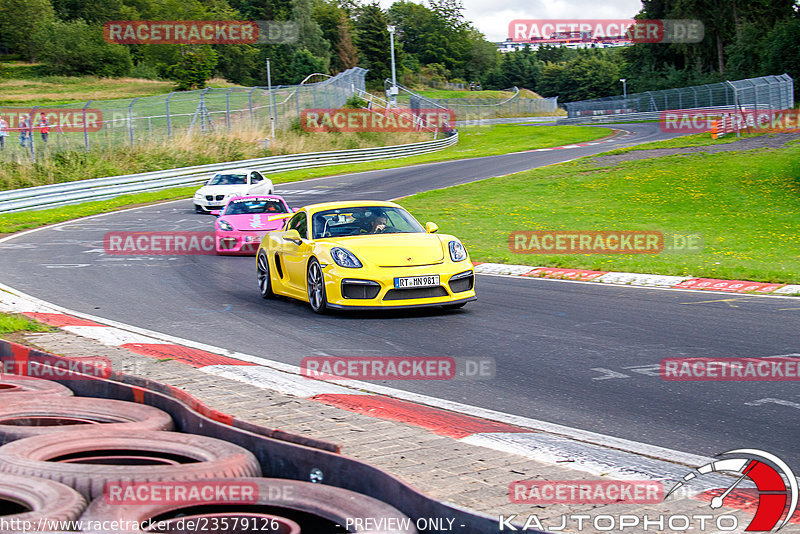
[20, 20]
[346, 51]
[76, 48]
[195, 67]
[372, 39]
[303, 64]
[311, 37]
[93, 10]
[337, 30]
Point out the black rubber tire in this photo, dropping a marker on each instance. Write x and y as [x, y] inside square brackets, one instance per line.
[264, 279]
[328, 502]
[315, 287]
[212, 458]
[20, 420]
[15, 388]
[45, 500]
[199, 209]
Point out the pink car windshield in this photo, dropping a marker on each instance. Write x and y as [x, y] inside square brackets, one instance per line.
[256, 205]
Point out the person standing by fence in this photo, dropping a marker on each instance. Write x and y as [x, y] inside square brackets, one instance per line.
[3, 133]
[44, 127]
[24, 125]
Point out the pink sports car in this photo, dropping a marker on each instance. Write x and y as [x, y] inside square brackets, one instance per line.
[245, 220]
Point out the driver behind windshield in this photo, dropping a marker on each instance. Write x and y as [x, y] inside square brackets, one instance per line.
[377, 224]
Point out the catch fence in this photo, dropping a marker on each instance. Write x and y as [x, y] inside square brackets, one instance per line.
[766, 92]
[106, 123]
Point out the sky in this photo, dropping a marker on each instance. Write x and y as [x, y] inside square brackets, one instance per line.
[492, 16]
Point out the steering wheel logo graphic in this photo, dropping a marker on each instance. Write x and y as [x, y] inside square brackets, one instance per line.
[775, 483]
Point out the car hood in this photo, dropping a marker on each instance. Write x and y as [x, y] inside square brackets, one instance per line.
[223, 189]
[396, 250]
[254, 221]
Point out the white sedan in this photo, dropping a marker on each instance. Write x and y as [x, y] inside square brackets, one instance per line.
[227, 184]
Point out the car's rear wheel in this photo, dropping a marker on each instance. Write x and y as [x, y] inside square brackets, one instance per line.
[264, 280]
[315, 285]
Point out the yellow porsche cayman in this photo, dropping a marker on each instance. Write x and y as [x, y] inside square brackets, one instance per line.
[363, 254]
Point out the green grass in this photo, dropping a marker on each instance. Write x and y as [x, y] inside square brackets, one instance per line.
[10, 323]
[25, 220]
[21, 86]
[700, 139]
[447, 93]
[475, 141]
[744, 204]
[444, 93]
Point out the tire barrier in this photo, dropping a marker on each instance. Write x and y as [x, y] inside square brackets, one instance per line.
[348, 495]
[18, 388]
[34, 418]
[87, 461]
[34, 500]
[315, 508]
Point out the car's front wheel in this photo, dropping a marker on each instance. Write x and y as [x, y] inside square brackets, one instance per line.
[264, 280]
[315, 285]
[199, 209]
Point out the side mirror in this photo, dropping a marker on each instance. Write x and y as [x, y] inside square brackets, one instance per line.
[293, 236]
[431, 228]
[216, 213]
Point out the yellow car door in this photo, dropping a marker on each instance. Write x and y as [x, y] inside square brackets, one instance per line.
[295, 252]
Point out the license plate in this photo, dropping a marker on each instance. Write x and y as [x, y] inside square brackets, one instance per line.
[416, 281]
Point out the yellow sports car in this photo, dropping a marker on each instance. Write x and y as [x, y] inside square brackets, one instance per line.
[363, 254]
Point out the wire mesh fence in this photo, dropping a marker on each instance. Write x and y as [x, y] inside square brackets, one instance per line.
[95, 124]
[468, 109]
[766, 92]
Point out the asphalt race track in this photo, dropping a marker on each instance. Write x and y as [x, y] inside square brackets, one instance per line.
[581, 355]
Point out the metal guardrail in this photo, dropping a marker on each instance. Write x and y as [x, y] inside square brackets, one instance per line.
[774, 92]
[49, 196]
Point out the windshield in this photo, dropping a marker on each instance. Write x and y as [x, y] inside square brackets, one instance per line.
[255, 205]
[364, 220]
[228, 179]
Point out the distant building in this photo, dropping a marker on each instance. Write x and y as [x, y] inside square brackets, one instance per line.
[574, 39]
